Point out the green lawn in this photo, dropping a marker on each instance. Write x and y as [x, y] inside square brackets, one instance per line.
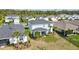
[74, 39]
[50, 38]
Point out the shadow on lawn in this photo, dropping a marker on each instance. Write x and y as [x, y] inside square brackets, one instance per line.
[67, 39]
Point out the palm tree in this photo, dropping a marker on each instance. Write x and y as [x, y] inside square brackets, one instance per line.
[16, 34]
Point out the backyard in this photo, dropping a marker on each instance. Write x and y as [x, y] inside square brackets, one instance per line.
[47, 43]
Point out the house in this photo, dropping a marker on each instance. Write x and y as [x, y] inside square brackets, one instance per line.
[13, 18]
[7, 31]
[43, 17]
[65, 25]
[15, 40]
[40, 25]
[29, 18]
[53, 18]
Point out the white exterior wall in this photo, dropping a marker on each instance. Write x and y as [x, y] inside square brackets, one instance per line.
[24, 39]
[54, 19]
[51, 24]
[46, 19]
[13, 40]
[16, 40]
[51, 29]
[40, 26]
[16, 21]
[31, 19]
[15, 18]
[6, 20]
[47, 32]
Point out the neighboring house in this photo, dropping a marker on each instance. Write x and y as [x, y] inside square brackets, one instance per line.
[29, 18]
[53, 18]
[43, 17]
[40, 25]
[6, 34]
[65, 25]
[46, 18]
[68, 17]
[13, 18]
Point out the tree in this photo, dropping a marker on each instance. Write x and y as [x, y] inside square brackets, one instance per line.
[1, 20]
[16, 33]
[50, 19]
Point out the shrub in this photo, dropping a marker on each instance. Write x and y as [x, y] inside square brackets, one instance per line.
[69, 31]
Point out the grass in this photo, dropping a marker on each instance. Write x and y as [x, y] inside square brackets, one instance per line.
[50, 38]
[74, 39]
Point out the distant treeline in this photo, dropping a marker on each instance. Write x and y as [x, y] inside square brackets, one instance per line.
[5, 12]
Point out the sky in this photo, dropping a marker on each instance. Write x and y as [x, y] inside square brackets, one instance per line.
[39, 4]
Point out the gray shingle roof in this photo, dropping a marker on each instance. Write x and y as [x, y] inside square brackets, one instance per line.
[74, 22]
[65, 25]
[39, 21]
[6, 31]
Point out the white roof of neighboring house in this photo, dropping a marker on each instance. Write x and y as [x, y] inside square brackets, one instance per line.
[28, 17]
[11, 16]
